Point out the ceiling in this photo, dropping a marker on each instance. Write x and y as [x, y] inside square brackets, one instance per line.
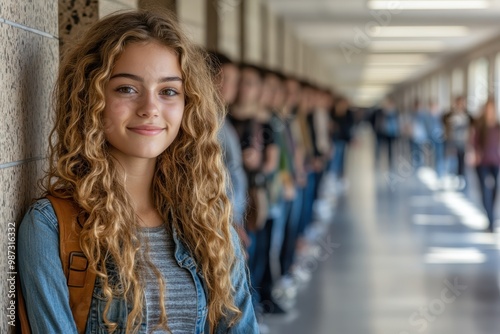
[370, 50]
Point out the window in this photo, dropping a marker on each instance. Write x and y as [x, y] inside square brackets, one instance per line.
[477, 85]
[444, 91]
[457, 82]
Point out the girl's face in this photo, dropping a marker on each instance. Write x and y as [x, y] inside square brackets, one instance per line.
[144, 101]
[230, 77]
[292, 92]
[269, 90]
[250, 86]
[491, 117]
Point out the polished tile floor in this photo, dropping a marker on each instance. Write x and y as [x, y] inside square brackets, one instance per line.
[407, 259]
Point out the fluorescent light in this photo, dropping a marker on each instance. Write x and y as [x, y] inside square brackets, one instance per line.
[408, 46]
[384, 78]
[396, 59]
[387, 71]
[428, 4]
[379, 89]
[372, 90]
[419, 31]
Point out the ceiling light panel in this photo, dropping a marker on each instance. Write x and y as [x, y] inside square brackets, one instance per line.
[403, 59]
[419, 31]
[407, 46]
[428, 4]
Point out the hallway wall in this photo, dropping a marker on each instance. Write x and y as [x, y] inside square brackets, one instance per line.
[28, 66]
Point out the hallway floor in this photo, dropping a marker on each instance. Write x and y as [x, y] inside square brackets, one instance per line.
[399, 258]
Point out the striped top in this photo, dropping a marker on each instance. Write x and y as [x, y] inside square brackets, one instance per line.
[180, 292]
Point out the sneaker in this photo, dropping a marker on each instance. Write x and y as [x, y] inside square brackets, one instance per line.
[461, 183]
[264, 329]
[285, 292]
[301, 275]
[271, 307]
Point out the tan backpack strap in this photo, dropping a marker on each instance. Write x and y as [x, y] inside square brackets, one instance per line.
[23, 321]
[80, 277]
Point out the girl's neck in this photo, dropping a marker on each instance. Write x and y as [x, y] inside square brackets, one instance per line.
[138, 176]
[139, 185]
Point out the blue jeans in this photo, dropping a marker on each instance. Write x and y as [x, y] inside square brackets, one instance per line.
[338, 162]
[488, 189]
[258, 253]
[307, 203]
[439, 158]
[287, 253]
[387, 142]
[278, 233]
[417, 154]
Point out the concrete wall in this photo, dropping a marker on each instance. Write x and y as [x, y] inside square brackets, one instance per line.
[28, 66]
[74, 17]
[33, 35]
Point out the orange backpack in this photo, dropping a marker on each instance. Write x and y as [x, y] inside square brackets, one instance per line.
[79, 278]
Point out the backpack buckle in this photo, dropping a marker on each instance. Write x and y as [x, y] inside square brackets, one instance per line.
[78, 265]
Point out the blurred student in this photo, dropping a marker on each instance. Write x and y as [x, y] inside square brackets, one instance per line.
[419, 133]
[385, 122]
[485, 138]
[436, 137]
[343, 125]
[242, 117]
[310, 162]
[457, 123]
[293, 224]
[227, 77]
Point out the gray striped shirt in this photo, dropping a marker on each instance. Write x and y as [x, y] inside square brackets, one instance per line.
[180, 298]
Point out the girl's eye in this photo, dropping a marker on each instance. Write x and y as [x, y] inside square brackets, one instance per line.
[169, 92]
[125, 90]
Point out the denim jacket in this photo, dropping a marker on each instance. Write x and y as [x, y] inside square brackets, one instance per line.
[44, 287]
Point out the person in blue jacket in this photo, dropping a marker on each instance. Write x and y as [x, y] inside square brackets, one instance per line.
[135, 147]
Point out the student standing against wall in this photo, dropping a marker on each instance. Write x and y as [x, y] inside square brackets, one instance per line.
[135, 149]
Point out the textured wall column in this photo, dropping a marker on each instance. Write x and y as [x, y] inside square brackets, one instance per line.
[307, 61]
[270, 38]
[251, 27]
[74, 17]
[289, 50]
[28, 65]
[229, 18]
[280, 43]
[192, 17]
[109, 6]
[264, 34]
[465, 84]
[212, 24]
[299, 59]
[170, 5]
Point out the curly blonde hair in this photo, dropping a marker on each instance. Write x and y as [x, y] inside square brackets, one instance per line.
[189, 185]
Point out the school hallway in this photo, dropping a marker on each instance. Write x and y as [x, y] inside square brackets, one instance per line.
[398, 257]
